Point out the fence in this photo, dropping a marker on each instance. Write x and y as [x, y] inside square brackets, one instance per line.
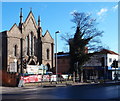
[43, 78]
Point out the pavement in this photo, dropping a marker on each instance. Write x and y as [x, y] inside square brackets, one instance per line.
[53, 84]
[47, 84]
[4, 90]
[42, 91]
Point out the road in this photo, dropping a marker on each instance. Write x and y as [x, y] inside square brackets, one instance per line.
[68, 92]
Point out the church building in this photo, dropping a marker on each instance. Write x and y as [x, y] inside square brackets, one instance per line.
[25, 43]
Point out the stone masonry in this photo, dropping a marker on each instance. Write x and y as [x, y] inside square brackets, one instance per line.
[36, 48]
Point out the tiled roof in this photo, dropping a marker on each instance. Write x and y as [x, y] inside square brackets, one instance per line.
[104, 51]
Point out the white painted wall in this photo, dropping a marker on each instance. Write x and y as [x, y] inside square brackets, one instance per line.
[109, 63]
[113, 57]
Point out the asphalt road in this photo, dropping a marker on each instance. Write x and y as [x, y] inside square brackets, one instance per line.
[68, 92]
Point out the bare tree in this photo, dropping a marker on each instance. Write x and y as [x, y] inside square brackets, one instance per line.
[86, 38]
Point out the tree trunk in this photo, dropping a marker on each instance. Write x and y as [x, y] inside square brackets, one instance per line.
[76, 76]
[85, 75]
[81, 75]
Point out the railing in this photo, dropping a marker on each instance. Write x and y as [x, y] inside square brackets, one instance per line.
[44, 78]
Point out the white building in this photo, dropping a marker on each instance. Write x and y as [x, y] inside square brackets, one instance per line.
[101, 63]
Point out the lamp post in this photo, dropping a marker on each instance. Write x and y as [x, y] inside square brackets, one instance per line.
[56, 56]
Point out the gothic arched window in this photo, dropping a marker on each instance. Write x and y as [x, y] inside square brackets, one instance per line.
[31, 43]
[48, 53]
[15, 50]
[27, 39]
[34, 48]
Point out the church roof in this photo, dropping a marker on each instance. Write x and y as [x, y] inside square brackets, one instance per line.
[14, 26]
[30, 20]
[47, 34]
[30, 16]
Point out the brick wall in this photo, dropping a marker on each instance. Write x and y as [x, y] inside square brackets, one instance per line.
[63, 64]
[8, 79]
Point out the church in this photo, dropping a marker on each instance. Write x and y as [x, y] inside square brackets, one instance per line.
[25, 42]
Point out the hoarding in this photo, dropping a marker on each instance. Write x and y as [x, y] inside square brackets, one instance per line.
[35, 69]
[35, 78]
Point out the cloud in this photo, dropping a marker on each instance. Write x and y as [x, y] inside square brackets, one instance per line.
[115, 7]
[102, 11]
[102, 14]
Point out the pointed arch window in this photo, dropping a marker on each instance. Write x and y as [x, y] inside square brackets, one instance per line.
[31, 43]
[15, 50]
[27, 39]
[35, 46]
[48, 53]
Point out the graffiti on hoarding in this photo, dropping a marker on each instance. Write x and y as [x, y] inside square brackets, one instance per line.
[35, 78]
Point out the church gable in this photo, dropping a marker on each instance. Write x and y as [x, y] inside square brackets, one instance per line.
[30, 21]
[47, 37]
[27, 38]
[14, 31]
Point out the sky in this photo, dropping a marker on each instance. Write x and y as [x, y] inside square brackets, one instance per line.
[60, 1]
[57, 16]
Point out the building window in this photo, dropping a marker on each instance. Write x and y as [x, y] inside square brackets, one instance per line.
[110, 59]
[35, 52]
[31, 43]
[15, 50]
[27, 45]
[48, 53]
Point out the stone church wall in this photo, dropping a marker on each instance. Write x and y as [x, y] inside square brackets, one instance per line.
[29, 27]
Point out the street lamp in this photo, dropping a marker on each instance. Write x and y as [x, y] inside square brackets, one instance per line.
[56, 55]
